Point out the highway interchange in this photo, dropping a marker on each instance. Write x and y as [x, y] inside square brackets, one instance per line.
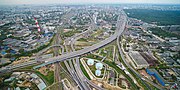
[75, 71]
[72, 57]
[120, 27]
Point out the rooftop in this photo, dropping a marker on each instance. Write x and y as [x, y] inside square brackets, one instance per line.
[137, 58]
[90, 61]
[99, 65]
[98, 72]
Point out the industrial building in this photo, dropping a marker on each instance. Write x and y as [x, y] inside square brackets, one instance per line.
[154, 73]
[90, 62]
[150, 59]
[138, 60]
[98, 72]
[99, 66]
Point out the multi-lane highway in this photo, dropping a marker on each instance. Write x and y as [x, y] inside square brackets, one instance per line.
[56, 53]
[17, 66]
[75, 71]
[72, 68]
[133, 70]
[72, 72]
[78, 70]
[120, 27]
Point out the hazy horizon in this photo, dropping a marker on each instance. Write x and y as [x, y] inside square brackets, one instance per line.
[21, 2]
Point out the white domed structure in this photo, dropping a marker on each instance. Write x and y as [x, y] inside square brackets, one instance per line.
[98, 72]
[90, 62]
[99, 66]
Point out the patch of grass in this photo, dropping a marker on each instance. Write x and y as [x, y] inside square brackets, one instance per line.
[2, 65]
[29, 67]
[93, 57]
[113, 65]
[63, 65]
[70, 33]
[84, 71]
[110, 50]
[49, 77]
[83, 39]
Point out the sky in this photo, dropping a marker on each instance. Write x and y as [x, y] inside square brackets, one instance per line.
[10, 2]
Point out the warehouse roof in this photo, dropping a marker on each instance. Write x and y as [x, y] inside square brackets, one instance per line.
[137, 58]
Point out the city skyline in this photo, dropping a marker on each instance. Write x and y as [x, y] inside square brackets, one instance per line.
[89, 45]
[19, 2]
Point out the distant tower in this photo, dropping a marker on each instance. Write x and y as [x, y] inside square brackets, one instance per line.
[37, 25]
[95, 17]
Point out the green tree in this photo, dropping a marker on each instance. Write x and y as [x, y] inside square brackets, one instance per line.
[7, 55]
[173, 77]
[21, 50]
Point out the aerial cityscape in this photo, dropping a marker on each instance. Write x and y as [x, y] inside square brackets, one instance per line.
[89, 45]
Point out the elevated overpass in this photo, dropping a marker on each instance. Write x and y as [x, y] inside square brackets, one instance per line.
[120, 28]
